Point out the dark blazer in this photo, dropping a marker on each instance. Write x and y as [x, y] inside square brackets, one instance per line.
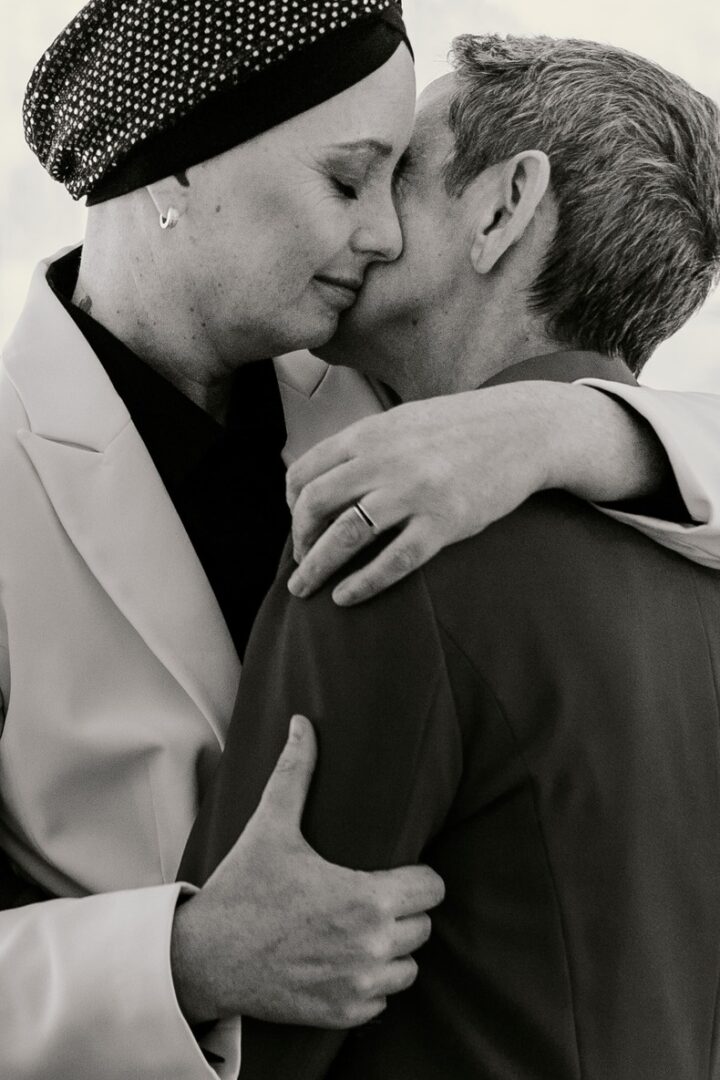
[535, 714]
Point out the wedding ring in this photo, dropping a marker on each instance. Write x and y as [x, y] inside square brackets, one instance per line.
[363, 515]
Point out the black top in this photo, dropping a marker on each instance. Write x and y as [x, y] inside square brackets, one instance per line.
[227, 483]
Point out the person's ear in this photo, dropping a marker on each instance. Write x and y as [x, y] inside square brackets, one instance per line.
[518, 187]
[169, 197]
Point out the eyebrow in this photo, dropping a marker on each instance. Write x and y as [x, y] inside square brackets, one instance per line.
[361, 146]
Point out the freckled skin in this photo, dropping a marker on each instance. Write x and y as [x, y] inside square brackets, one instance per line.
[307, 206]
[253, 282]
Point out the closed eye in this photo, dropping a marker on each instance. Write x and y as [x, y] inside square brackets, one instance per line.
[346, 190]
[402, 169]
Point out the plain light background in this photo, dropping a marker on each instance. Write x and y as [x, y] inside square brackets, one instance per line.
[37, 216]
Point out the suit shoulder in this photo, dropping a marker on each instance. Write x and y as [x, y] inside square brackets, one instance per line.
[555, 551]
[536, 535]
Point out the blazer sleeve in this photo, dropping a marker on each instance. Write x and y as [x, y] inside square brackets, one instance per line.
[86, 987]
[15, 891]
[688, 426]
[373, 681]
[86, 990]
[4, 670]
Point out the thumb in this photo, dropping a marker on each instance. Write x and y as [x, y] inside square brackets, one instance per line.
[286, 791]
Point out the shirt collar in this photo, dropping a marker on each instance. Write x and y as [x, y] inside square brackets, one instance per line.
[565, 366]
[177, 433]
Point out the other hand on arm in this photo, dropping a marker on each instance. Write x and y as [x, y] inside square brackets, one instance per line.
[280, 934]
[440, 470]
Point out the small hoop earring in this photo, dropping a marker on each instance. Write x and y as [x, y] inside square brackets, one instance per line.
[169, 220]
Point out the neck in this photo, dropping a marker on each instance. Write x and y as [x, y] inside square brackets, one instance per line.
[467, 349]
[130, 291]
[508, 337]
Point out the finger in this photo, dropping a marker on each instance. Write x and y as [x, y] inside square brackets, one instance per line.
[406, 553]
[361, 1012]
[398, 976]
[286, 791]
[410, 934]
[345, 537]
[322, 500]
[410, 890]
[327, 455]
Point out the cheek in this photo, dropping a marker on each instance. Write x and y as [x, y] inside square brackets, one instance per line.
[257, 260]
[297, 244]
[271, 246]
[318, 233]
[315, 221]
[400, 286]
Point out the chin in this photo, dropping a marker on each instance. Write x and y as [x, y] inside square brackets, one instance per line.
[313, 334]
[346, 347]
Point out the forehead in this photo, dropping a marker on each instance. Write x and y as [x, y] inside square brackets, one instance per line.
[375, 113]
[431, 131]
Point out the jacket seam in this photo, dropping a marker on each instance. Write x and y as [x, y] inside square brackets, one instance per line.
[442, 678]
[445, 671]
[560, 910]
[3, 703]
[320, 381]
[415, 772]
[153, 800]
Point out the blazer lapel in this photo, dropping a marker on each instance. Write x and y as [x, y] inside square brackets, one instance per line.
[319, 400]
[107, 493]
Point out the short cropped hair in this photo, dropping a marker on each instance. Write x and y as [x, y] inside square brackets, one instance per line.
[635, 172]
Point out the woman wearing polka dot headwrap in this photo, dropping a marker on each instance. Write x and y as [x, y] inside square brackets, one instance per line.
[238, 159]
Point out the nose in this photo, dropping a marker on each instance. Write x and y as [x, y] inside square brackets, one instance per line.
[380, 235]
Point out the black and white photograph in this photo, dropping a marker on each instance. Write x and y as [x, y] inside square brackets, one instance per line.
[360, 540]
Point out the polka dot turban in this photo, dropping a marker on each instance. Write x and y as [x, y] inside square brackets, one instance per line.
[134, 90]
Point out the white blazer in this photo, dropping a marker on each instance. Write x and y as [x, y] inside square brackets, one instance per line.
[117, 682]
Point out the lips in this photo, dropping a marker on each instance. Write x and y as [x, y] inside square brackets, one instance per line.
[342, 291]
